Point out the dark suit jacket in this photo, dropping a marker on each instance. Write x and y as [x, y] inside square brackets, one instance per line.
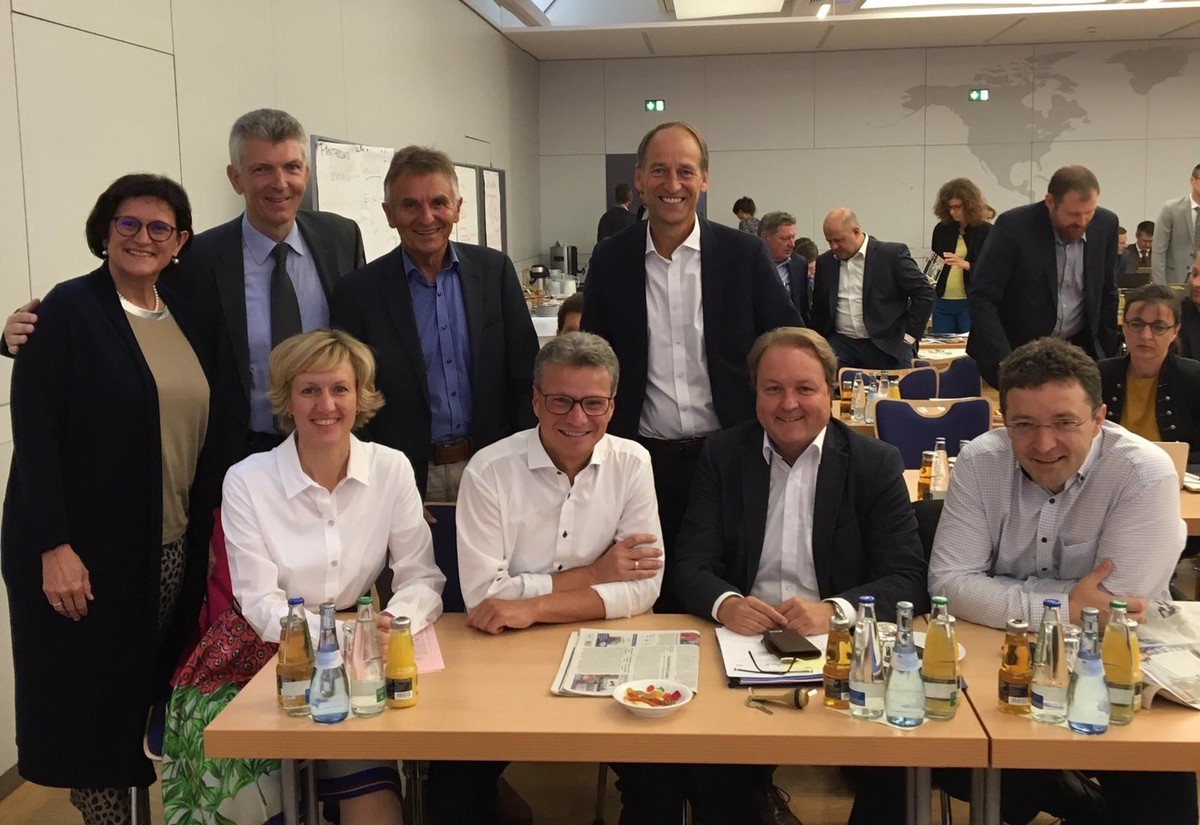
[798, 286]
[742, 298]
[864, 534]
[1014, 292]
[613, 221]
[212, 275]
[375, 306]
[945, 239]
[897, 299]
[1176, 404]
[1188, 341]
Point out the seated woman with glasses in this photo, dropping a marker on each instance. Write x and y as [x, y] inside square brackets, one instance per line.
[1151, 391]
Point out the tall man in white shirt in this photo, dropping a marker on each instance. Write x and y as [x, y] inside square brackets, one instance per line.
[558, 524]
[681, 300]
[1062, 504]
[870, 299]
[792, 517]
[1177, 236]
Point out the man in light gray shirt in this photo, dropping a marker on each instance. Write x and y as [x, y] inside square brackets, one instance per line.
[1062, 504]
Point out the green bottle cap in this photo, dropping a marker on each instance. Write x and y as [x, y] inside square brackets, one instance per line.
[1115, 603]
[364, 600]
[940, 600]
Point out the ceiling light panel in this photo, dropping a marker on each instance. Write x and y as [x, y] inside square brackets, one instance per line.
[695, 9]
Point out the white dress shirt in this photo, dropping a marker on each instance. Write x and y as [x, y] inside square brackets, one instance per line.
[849, 319]
[1068, 257]
[520, 520]
[679, 401]
[1004, 543]
[286, 536]
[785, 568]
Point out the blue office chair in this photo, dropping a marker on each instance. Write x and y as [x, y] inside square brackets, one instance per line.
[445, 553]
[960, 379]
[921, 383]
[904, 425]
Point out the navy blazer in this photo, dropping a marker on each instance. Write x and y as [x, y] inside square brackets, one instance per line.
[864, 532]
[1176, 402]
[212, 274]
[375, 305]
[742, 298]
[897, 298]
[798, 287]
[1013, 297]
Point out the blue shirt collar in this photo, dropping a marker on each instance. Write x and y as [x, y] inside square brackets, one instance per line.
[261, 246]
[450, 262]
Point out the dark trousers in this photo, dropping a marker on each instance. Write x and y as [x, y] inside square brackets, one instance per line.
[673, 472]
[863, 354]
[464, 793]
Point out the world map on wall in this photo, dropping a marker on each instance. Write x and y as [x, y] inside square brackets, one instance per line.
[1046, 94]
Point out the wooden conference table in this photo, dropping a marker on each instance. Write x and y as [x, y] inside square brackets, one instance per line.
[493, 702]
[1189, 503]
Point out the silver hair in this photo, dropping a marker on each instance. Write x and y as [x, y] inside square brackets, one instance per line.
[576, 349]
[770, 222]
[419, 160]
[271, 125]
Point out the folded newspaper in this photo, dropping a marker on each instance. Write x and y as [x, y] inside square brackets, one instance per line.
[1169, 641]
[596, 661]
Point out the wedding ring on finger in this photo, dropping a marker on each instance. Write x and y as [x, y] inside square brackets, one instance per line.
[637, 564]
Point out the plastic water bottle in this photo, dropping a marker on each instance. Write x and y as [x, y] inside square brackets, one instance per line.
[329, 694]
[866, 668]
[858, 400]
[366, 664]
[872, 397]
[940, 669]
[1050, 677]
[1087, 699]
[904, 693]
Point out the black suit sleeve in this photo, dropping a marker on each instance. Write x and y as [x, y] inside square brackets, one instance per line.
[521, 348]
[896, 567]
[595, 318]
[360, 254]
[914, 284]
[1107, 334]
[696, 574]
[988, 343]
[769, 311]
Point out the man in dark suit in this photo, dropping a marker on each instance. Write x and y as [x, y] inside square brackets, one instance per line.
[681, 300]
[746, 560]
[453, 340]
[618, 217]
[778, 231]
[870, 300]
[1047, 269]
[1134, 261]
[261, 277]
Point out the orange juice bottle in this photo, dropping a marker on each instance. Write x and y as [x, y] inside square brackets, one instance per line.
[401, 669]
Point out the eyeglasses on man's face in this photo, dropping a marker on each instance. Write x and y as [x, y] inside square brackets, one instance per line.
[1060, 427]
[129, 226]
[592, 405]
[1136, 325]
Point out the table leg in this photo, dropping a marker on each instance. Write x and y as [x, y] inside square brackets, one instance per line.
[291, 793]
[985, 796]
[917, 787]
[311, 815]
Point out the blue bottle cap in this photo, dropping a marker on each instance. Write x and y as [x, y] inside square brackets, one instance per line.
[1051, 603]
[866, 600]
[295, 600]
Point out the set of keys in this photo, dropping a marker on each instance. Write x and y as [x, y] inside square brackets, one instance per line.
[793, 698]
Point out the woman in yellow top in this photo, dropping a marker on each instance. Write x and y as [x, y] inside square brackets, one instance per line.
[957, 240]
[1151, 391]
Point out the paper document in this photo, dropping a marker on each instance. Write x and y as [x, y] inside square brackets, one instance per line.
[746, 658]
[428, 651]
[596, 661]
[1169, 641]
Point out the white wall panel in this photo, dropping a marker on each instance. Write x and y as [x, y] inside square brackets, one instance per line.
[885, 186]
[572, 200]
[1083, 91]
[1175, 77]
[14, 251]
[141, 22]
[79, 133]
[859, 98]
[308, 65]
[778, 180]
[769, 109]
[950, 75]
[569, 97]
[629, 83]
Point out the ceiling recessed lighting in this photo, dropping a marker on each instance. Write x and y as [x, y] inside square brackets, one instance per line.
[823, 12]
[694, 9]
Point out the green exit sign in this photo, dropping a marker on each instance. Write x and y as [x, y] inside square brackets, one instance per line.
[977, 95]
[655, 105]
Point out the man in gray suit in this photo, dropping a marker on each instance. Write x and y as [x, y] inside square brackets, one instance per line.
[1177, 236]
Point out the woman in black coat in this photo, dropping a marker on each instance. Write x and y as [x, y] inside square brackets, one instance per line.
[109, 504]
[957, 240]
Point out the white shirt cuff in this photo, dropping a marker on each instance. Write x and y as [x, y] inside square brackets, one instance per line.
[721, 600]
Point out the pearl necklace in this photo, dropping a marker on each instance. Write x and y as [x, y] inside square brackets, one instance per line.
[158, 304]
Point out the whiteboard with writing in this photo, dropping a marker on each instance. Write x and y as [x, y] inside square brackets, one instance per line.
[493, 209]
[467, 228]
[349, 181]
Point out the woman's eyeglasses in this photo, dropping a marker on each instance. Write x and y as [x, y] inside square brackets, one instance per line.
[129, 226]
[1136, 326]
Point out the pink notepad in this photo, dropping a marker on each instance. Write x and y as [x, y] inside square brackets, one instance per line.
[429, 653]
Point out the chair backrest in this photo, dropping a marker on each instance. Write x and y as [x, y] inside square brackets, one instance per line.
[928, 513]
[960, 379]
[1178, 451]
[913, 426]
[445, 553]
[919, 383]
